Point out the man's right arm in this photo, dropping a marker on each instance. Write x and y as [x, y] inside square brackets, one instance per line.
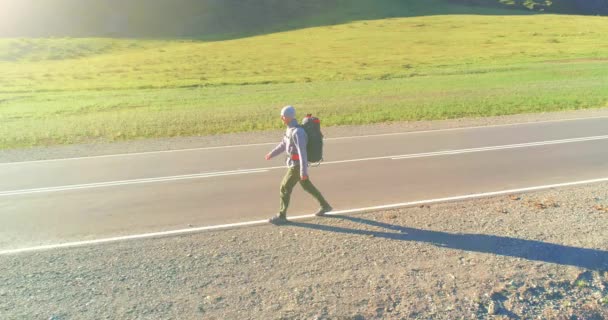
[280, 148]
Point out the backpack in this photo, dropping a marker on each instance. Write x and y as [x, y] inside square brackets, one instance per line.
[314, 147]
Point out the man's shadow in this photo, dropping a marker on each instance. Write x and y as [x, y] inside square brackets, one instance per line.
[592, 259]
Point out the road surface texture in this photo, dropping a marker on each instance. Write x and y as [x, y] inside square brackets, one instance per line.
[57, 201]
[516, 254]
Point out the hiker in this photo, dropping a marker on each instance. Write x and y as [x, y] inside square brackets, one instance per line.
[294, 144]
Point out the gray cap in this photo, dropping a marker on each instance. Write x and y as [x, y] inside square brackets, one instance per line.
[289, 112]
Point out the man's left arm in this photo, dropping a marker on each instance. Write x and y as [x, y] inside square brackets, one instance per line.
[301, 140]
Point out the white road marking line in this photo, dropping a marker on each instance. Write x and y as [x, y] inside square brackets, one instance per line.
[262, 170]
[128, 182]
[274, 143]
[503, 147]
[482, 149]
[261, 222]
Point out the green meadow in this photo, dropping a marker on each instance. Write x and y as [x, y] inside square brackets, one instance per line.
[417, 67]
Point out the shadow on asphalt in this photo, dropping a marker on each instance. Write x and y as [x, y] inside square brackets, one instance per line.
[591, 259]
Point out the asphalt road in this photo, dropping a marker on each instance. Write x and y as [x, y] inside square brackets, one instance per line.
[58, 201]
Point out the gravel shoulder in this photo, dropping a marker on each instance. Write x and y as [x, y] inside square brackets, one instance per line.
[541, 255]
[103, 148]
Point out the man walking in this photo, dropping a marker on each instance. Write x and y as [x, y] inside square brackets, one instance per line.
[294, 144]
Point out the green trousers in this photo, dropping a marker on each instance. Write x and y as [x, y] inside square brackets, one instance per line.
[289, 182]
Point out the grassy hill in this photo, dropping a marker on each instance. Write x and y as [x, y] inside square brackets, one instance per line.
[371, 61]
[225, 19]
[202, 19]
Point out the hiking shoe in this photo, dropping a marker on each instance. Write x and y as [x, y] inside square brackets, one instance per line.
[278, 219]
[323, 211]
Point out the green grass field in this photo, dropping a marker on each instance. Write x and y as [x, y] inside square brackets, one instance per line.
[68, 90]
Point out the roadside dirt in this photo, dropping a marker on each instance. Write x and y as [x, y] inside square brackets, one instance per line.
[541, 255]
[101, 148]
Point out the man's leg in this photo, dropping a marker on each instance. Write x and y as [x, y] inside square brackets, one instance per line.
[310, 188]
[289, 181]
